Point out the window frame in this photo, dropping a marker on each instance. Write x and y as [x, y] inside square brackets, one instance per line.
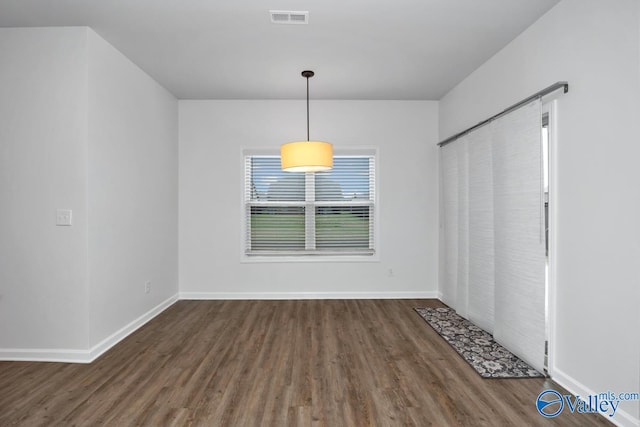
[372, 255]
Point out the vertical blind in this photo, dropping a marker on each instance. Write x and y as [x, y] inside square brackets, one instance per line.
[463, 230]
[449, 182]
[456, 218]
[519, 234]
[481, 231]
[291, 213]
[493, 229]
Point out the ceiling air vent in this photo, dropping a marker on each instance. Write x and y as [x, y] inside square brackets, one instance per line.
[289, 17]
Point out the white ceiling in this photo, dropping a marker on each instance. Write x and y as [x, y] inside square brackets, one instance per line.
[359, 49]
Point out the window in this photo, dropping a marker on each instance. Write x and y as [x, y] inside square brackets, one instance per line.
[322, 213]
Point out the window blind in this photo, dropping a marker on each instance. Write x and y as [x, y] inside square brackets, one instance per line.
[493, 231]
[462, 297]
[323, 213]
[481, 230]
[449, 183]
[519, 234]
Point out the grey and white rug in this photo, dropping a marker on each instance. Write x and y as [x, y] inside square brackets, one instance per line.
[476, 346]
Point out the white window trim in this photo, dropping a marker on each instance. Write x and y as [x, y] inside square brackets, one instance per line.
[311, 258]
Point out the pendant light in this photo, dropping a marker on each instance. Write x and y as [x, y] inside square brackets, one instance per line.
[306, 156]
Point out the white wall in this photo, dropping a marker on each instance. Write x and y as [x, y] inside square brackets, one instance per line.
[594, 45]
[82, 128]
[212, 137]
[43, 278]
[132, 188]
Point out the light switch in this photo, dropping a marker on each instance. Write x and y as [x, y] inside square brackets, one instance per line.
[63, 217]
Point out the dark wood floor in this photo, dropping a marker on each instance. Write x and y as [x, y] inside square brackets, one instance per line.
[254, 363]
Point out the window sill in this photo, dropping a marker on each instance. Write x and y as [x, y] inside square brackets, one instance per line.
[251, 259]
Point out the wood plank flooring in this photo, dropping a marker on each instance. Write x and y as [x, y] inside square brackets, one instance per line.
[275, 363]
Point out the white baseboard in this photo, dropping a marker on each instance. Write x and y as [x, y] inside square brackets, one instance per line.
[84, 356]
[104, 345]
[305, 295]
[622, 418]
[44, 355]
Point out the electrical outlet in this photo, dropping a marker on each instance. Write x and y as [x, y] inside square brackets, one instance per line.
[147, 287]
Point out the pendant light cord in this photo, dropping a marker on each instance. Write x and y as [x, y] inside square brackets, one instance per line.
[307, 74]
[307, 109]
